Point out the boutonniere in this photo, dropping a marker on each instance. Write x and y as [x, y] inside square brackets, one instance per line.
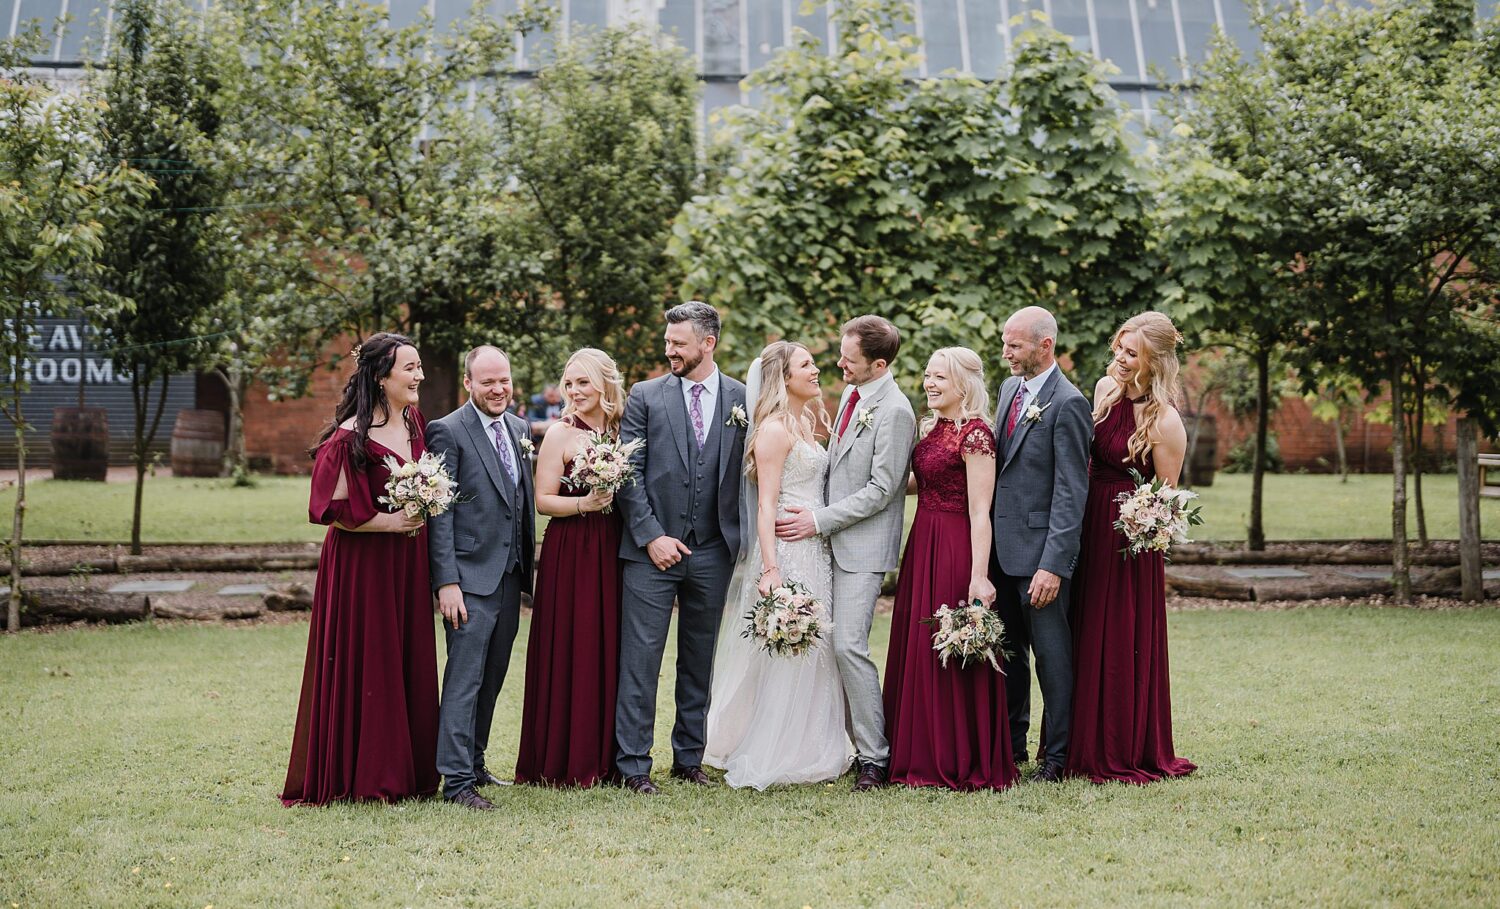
[864, 418]
[1034, 412]
[528, 450]
[737, 417]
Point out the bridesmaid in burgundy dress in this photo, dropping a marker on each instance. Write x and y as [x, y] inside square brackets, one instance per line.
[367, 720]
[947, 727]
[1122, 708]
[572, 656]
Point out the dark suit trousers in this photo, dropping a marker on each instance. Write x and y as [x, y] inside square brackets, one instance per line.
[699, 584]
[478, 656]
[1044, 632]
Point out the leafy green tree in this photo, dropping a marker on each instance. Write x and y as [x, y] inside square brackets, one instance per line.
[164, 265]
[56, 207]
[943, 204]
[602, 148]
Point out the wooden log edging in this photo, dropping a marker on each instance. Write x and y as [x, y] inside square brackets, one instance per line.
[1444, 582]
[210, 562]
[47, 607]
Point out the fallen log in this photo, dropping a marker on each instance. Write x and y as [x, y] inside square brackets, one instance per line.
[50, 607]
[1352, 588]
[207, 612]
[291, 598]
[1216, 588]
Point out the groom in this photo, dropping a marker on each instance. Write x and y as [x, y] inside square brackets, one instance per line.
[682, 536]
[1044, 427]
[869, 456]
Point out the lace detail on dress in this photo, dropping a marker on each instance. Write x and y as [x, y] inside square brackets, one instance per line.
[942, 482]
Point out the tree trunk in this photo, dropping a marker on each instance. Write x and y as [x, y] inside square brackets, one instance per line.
[1257, 530]
[1470, 562]
[18, 514]
[236, 383]
[438, 395]
[1338, 446]
[1417, 432]
[140, 392]
[1400, 558]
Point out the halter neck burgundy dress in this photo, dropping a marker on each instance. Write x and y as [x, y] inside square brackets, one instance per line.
[573, 653]
[367, 719]
[1122, 705]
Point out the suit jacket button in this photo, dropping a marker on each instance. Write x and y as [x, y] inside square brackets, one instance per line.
[682, 515]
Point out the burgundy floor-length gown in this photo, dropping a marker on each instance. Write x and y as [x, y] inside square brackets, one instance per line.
[367, 720]
[1122, 706]
[573, 653]
[947, 727]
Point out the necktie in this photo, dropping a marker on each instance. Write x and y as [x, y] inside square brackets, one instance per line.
[1015, 410]
[848, 411]
[502, 447]
[696, 412]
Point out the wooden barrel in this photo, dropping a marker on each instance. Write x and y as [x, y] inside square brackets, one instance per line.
[80, 443]
[1206, 454]
[198, 444]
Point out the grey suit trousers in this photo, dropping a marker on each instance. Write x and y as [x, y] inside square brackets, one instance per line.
[1046, 633]
[699, 584]
[854, 594]
[478, 656]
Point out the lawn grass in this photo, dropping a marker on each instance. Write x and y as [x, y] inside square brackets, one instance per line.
[1348, 757]
[184, 510]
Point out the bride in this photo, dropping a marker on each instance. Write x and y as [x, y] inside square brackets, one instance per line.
[778, 719]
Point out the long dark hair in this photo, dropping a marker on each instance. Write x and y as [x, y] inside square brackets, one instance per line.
[373, 361]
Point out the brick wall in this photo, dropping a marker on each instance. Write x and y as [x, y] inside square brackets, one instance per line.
[278, 433]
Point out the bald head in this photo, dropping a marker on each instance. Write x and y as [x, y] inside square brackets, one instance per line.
[487, 379]
[1030, 338]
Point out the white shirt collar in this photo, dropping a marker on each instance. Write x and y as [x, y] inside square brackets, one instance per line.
[1034, 384]
[874, 385]
[710, 389]
[485, 418]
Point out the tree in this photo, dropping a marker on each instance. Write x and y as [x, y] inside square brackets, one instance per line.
[56, 205]
[603, 150]
[943, 204]
[164, 265]
[373, 164]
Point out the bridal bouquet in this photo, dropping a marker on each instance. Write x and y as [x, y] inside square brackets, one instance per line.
[970, 634]
[788, 621]
[603, 465]
[421, 488]
[1154, 516]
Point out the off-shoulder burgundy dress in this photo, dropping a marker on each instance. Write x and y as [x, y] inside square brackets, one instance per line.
[573, 653]
[367, 720]
[947, 727]
[1122, 703]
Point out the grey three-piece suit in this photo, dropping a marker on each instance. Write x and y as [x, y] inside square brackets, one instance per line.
[1041, 486]
[484, 544]
[691, 493]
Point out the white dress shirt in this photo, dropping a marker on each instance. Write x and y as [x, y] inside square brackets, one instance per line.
[705, 400]
[1033, 387]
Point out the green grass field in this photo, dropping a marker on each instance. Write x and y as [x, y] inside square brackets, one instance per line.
[181, 510]
[1348, 757]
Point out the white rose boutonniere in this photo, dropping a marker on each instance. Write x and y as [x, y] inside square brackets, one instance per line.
[1034, 412]
[864, 418]
[528, 450]
[737, 417]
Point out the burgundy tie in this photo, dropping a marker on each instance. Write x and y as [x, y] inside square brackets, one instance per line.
[848, 410]
[1015, 411]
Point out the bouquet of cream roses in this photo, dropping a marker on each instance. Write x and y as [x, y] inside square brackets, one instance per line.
[420, 488]
[603, 465]
[788, 621]
[967, 633]
[1154, 515]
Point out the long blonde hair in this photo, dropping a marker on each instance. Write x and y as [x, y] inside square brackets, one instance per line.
[772, 403]
[604, 375]
[966, 371]
[1158, 357]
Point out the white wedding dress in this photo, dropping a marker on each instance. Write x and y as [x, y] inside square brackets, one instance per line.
[775, 719]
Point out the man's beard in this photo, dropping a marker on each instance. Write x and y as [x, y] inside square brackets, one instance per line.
[687, 366]
[484, 405]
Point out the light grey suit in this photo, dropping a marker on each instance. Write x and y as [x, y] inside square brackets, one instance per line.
[691, 494]
[484, 544]
[863, 520]
[1041, 487]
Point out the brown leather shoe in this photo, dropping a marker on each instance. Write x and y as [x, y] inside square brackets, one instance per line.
[469, 798]
[871, 776]
[641, 784]
[692, 775]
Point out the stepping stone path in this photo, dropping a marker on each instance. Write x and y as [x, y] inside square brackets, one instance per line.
[153, 587]
[243, 590]
[1266, 572]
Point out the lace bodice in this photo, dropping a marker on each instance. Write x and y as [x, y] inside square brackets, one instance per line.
[942, 483]
[802, 477]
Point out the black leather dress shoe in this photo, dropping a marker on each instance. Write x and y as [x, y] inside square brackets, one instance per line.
[692, 775]
[470, 798]
[485, 778]
[641, 784]
[871, 776]
[1050, 773]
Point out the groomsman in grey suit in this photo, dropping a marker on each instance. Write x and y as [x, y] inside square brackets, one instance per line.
[682, 536]
[480, 552]
[1044, 426]
[870, 456]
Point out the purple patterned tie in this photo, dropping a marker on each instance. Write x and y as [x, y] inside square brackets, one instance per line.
[502, 447]
[696, 412]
